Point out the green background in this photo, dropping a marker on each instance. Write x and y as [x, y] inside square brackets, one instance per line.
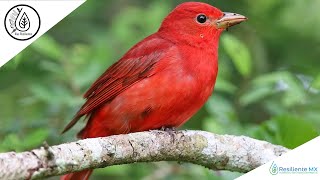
[268, 85]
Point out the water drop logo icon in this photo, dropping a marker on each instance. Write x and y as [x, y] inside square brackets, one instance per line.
[22, 22]
[273, 169]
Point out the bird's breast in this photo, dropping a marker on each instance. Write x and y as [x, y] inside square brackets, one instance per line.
[202, 65]
[188, 84]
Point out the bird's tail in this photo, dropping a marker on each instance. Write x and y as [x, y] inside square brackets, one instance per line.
[81, 175]
[87, 132]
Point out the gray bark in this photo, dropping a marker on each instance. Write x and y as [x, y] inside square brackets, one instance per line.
[217, 152]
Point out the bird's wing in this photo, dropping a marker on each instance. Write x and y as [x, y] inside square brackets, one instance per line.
[138, 63]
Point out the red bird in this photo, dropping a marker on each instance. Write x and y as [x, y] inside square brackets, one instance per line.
[161, 81]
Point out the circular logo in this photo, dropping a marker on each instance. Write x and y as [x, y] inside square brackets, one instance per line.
[22, 22]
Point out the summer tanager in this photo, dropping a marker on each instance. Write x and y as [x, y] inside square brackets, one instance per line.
[161, 81]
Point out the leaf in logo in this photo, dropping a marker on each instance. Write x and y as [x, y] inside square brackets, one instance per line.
[12, 20]
[24, 21]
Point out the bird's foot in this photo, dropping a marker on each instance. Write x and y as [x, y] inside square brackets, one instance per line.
[168, 129]
[171, 131]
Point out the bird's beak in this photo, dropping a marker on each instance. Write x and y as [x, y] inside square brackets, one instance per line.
[229, 19]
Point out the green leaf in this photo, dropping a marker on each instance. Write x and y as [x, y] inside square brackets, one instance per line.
[255, 94]
[212, 125]
[35, 138]
[47, 46]
[221, 108]
[42, 92]
[225, 86]
[113, 170]
[11, 142]
[316, 82]
[287, 130]
[269, 131]
[295, 131]
[239, 54]
[294, 92]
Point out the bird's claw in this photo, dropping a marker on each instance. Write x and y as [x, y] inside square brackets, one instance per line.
[170, 130]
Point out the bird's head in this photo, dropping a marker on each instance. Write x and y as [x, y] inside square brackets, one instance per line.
[198, 22]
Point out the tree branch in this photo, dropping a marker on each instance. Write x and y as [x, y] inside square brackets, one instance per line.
[218, 152]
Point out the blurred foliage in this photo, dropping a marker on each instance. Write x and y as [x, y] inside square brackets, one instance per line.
[268, 85]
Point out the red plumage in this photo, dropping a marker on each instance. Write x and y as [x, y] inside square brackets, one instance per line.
[160, 82]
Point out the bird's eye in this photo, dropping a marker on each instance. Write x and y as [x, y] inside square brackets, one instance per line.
[201, 18]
